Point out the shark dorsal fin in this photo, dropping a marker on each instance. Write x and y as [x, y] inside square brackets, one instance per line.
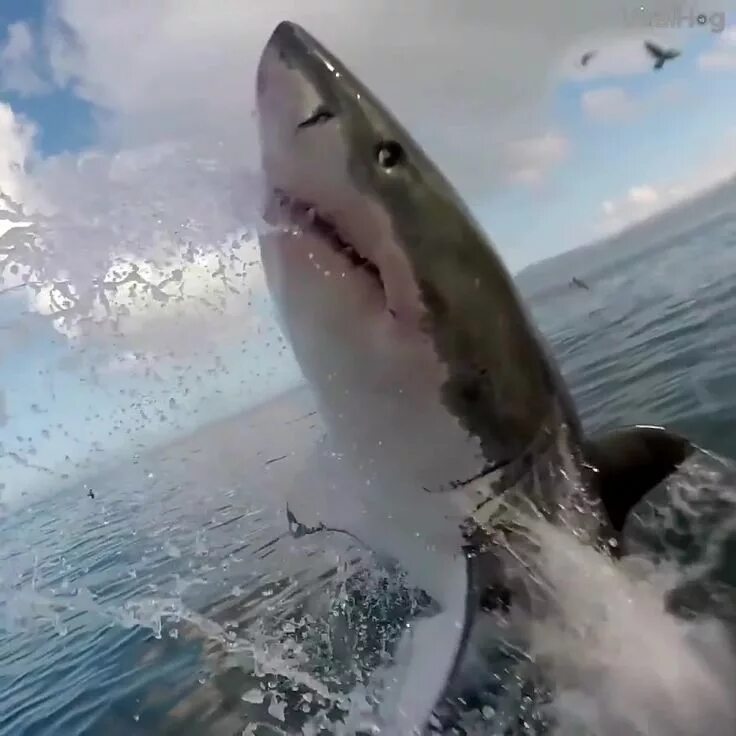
[630, 462]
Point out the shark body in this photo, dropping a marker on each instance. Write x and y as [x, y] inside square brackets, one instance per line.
[438, 392]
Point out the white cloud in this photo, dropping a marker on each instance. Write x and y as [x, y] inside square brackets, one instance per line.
[642, 201]
[614, 104]
[531, 159]
[19, 61]
[16, 150]
[639, 203]
[718, 60]
[192, 71]
[722, 56]
[608, 104]
[643, 195]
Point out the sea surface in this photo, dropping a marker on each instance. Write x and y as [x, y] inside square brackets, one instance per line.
[175, 602]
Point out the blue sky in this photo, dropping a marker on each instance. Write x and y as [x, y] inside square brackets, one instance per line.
[667, 143]
[553, 158]
[65, 122]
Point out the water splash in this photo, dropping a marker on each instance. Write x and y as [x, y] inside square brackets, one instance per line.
[611, 652]
[619, 660]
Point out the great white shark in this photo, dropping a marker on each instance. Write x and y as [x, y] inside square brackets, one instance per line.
[439, 394]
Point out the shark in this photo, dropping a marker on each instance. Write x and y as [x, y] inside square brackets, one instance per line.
[439, 394]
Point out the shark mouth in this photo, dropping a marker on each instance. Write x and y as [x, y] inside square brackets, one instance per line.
[295, 212]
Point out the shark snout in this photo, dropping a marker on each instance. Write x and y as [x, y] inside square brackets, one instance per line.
[288, 45]
[293, 48]
[288, 80]
[293, 43]
[287, 35]
[274, 54]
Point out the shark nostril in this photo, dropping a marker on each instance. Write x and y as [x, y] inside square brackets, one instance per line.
[320, 115]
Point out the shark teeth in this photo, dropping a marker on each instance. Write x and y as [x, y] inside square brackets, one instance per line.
[305, 216]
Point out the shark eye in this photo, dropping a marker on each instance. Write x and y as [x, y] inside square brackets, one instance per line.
[389, 154]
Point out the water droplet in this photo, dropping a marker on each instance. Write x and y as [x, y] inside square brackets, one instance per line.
[252, 696]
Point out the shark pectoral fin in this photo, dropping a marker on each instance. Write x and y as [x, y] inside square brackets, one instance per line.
[632, 461]
[298, 529]
[318, 500]
[428, 658]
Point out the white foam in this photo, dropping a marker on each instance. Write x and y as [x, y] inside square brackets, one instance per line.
[618, 661]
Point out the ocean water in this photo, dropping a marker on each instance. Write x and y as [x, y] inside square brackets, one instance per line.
[175, 601]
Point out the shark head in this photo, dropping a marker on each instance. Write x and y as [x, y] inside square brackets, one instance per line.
[401, 316]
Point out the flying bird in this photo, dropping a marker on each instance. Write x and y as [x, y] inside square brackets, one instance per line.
[586, 57]
[579, 283]
[660, 55]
